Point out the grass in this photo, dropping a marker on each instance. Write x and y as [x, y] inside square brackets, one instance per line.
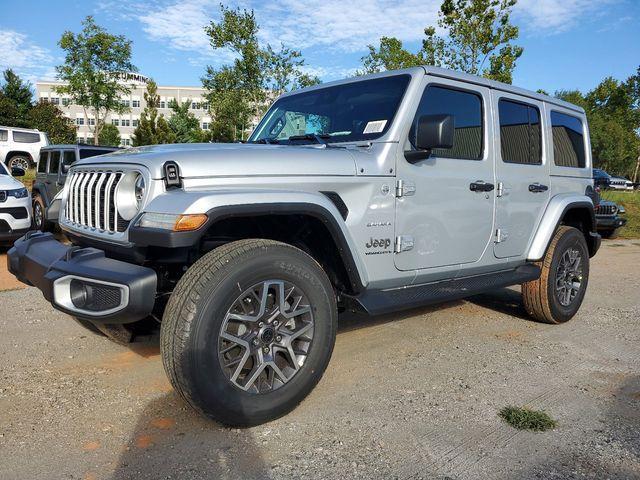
[28, 178]
[631, 202]
[524, 418]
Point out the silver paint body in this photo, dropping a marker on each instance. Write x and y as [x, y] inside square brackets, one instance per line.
[453, 228]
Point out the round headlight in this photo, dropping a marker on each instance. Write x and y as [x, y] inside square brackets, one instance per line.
[129, 195]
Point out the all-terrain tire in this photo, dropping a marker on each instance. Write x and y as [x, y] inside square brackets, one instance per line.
[194, 319]
[540, 296]
[21, 161]
[38, 210]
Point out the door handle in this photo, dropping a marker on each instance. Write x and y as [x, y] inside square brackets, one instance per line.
[537, 188]
[481, 186]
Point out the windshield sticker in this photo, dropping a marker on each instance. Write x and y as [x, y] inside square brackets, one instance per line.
[375, 127]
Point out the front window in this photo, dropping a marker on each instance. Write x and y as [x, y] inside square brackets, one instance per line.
[355, 111]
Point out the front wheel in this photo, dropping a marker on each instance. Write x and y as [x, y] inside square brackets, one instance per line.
[556, 296]
[249, 331]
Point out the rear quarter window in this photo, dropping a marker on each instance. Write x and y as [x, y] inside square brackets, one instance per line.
[568, 140]
[26, 137]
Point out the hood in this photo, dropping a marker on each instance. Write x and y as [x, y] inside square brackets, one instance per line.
[235, 159]
[7, 182]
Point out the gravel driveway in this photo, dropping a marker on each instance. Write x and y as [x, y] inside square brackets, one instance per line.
[411, 395]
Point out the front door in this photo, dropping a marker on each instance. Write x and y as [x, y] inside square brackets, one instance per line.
[52, 174]
[449, 216]
[521, 171]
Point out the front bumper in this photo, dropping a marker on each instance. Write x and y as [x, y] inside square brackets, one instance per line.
[83, 282]
[610, 222]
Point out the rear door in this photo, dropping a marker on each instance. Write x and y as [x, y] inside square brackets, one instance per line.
[522, 172]
[448, 220]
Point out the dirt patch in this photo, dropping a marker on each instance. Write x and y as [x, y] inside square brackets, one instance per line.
[7, 280]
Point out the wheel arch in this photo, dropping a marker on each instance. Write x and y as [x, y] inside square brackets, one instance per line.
[309, 221]
[13, 153]
[570, 210]
[38, 188]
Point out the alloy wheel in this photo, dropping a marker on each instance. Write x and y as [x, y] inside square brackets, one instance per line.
[266, 336]
[569, 276]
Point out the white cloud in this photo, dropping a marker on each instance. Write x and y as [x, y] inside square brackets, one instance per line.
[25, 57]
[556, 16]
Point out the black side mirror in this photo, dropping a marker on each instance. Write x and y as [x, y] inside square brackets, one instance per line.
[432, 131]
[17, 171]
[65, 169]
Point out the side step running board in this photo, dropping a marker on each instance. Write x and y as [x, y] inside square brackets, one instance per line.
[377, 302]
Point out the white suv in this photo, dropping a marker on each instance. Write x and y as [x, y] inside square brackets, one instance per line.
[20, 147]
[15, 206]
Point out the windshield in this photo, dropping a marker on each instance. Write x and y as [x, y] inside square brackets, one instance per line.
[3, 170]
[348, 112]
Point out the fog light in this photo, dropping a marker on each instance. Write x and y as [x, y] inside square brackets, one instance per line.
[88, 296]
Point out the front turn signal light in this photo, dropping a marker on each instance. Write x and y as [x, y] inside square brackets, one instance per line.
[187, 223]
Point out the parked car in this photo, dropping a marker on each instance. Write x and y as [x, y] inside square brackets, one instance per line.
[15, 205]
[20, 147]
[620, 183]
[609, 218]
[380, 193]
[601, 179]
[53, 164]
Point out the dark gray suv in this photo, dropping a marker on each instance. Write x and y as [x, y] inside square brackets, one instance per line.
[53, 164]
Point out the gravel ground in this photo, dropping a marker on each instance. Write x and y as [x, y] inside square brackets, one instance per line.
[412, 395]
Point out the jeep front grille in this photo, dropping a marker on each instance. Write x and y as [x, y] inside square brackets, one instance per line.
[91, 200]
[606, 209]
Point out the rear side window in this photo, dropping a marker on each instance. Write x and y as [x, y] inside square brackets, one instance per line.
[520, 134]
[4, 135]
[568, 140]
[54, 162]
[92, 152]
[466, 108]
[42, 162]
[26, 137]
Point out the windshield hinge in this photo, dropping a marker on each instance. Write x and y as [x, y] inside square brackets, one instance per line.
[403, 243]
[405, 189]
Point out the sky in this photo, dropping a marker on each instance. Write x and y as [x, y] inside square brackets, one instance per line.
[568, 44]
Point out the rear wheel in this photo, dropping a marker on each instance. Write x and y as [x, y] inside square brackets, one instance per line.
[249, 331]
[556, 296]
[21, 161]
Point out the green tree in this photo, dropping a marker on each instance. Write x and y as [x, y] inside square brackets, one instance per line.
[9, 112]
[48, 118]
[153, 127]
[239, 93]
[613, 113]
[478, 40]
[110, 136]
[94, 60]
[18, 92]
[184, 124]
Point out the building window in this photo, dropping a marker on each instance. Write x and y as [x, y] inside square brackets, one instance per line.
[205, 106]
[163, 104]
[520, 134]
[125, 142]
[66, 102]
[55, 100]
[135, 122]
[115, 121]
[205, 125]
[79, 121]
[125, 103]
[568, 140]
[196, 106]
[135, 103]
[91, 122]
[125, 122]
[466, 109]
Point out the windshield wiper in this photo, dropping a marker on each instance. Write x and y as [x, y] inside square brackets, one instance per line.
[311, 136]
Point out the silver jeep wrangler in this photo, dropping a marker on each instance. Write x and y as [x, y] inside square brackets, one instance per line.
[381, 193]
